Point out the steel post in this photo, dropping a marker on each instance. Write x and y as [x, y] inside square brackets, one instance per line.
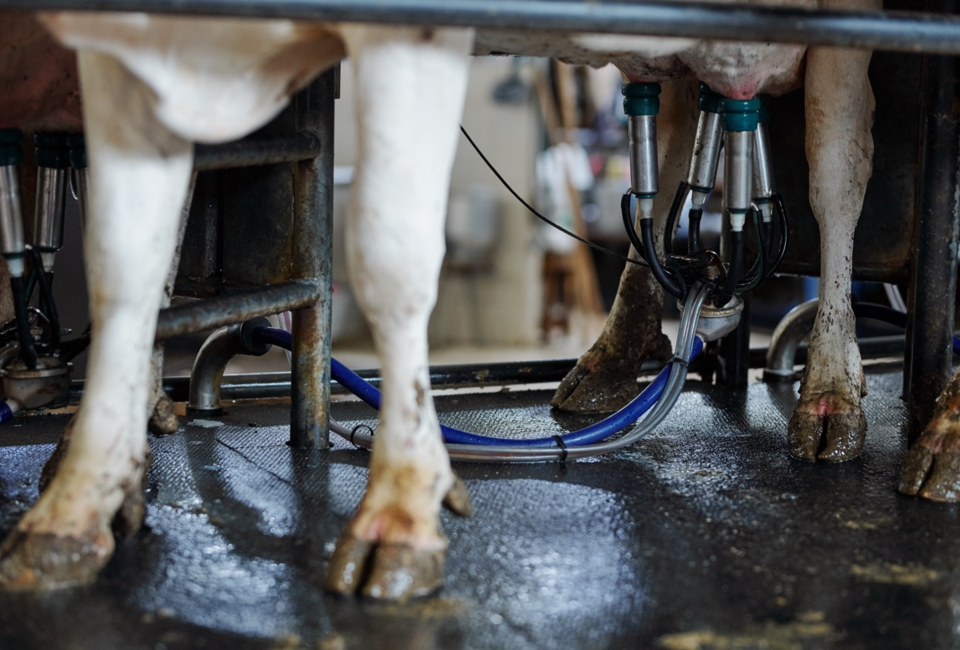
[313, 259]
[933, 283]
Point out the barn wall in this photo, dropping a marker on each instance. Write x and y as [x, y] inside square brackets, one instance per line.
[481, 301]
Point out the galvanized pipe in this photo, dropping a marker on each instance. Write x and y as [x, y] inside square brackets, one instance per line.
[763, 180]
[792, 328]
[12, 240]
[50, 208]
[897, 31]
[642, 136]
[787, 350]
[212, 359]
[258, 150]
[705, 158]
[232, 308]
[313, 258]
[738, 174]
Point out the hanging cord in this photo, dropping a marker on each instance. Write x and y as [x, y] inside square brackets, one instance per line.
[27, 350]
[671, 232]
[693, 219]
[781, 211]
[47, 304]
[756, 275]
[529, 207]
[671, 282]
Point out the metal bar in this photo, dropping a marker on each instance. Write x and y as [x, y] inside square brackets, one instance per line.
[934, 266]
[899, 31]
[235, 307]
[260, 150]
[272, 385]
[277, 384]
[313, 258]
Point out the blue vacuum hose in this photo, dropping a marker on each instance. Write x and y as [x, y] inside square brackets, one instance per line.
[589, 435]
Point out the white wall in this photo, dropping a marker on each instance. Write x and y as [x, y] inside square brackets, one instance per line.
[500, 305]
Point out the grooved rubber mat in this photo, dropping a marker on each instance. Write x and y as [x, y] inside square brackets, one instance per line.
[705, 535]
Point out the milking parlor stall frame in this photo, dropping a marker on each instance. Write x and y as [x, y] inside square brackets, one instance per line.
[301, 189]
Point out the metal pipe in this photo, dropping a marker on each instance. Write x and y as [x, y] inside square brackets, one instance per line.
[705, 158]
[738, 175]
[212, 359]
[787, 350]
[48, 217]
[12, 242]
[642, 136]
[934, 265]
[889, 30]
[792, 328]
[313, 259]
[273, 385]
[231, 308]
[763, 181]
[258, 150]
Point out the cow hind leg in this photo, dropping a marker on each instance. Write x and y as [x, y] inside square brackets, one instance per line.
[139, 175]
[605, 377]
[931, 468]
[828, 422]
[410, 86]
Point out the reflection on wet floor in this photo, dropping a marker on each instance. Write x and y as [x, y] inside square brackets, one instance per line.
[705, 535]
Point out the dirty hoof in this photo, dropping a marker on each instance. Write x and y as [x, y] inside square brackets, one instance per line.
[163, 420]
[931, 468]
[828, 428]
[133, 510]
[458, 499]
[43, 561]
[603, 381]
[384, 571]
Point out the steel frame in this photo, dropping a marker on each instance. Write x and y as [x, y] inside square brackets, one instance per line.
[897, 31]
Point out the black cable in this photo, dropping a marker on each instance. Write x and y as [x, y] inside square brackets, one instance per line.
[693, 225]
[736, 263]
[675, 207]
[755, 276]
[69, 350]
[670, 284]
[784, 231]
[47, 304]
[537, 214]
[27, 350]
[629, 227]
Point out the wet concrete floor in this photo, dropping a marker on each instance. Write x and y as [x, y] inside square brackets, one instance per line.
[705, 535]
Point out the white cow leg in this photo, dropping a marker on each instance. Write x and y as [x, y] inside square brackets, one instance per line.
[828, 423]
[605, 377]
[410, 87]
[162, 413]
[139, 175]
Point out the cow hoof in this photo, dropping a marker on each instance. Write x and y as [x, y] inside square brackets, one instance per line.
[458, 499]
[931, 468]
[826, 427]
[129, 518]
[384, 571]
[41, 561]
[163, 420]
[604, 381]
